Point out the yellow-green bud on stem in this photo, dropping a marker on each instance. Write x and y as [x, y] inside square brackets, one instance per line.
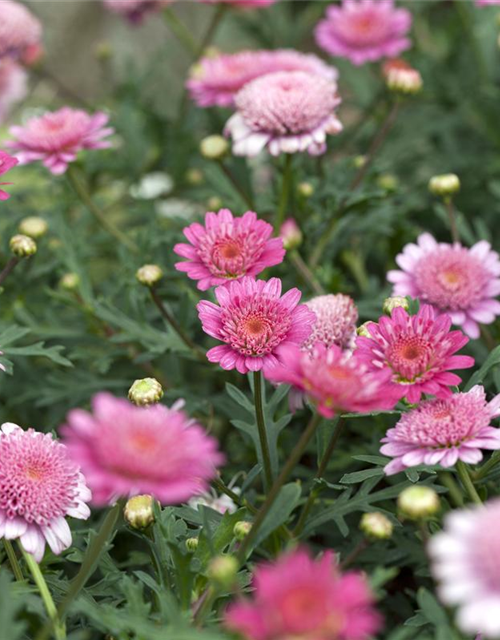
[241, 530]
[192, 544]
[214, 147]
[214, 203]
[69, 281]
[418, 503]
[138, 512]
[376, 526]
[393, 302]
[359, 161]
[363, 331]
[194, 176]
[305, 189]
[388, 182]
[149, 275]
[222, 571]
[22, 246]
[445, 185]
[145, 391]
[33, 226]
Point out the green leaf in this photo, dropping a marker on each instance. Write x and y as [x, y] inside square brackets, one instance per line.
[431, 608]
[478, 377]
[285, 503]
[10, 607]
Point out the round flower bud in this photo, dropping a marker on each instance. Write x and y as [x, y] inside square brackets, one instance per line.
[363, 331]
[359, 161]
[445, 185]
[22, 246]
[375, 525]
[222, 570]
[305, 189]
[214, 147]
[145, 391]
[103, 51]
[214, 203]
[33, 226]
[393, 302]
[401, 78]
[194, 177]
[149, 275]
[70, 281]
[388, 182]
[191, 544]
[138, 512]
[418, 502]
[241, 530]
[291, 234]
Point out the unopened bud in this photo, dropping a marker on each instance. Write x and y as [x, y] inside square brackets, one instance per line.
[305, 189]
[103, 51]
[70, 281]
[194, 177]
[402, 78]
[214, 147]
[445, 185]
[222, 570]
[359, 161]
[33, 226]
[362, 330]
[376, 525]
[214, 203]
[146, 391]
[291, 234]
[191, 544]
[241, 530]
[388, 182]
[138, 512]
[149, 275]
[393, 302]
[22, 246]
[418, 502]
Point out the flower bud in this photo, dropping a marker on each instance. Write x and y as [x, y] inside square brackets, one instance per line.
[138, 512]
[393, 302]
[145, 391]
[402, 78]
[359, 161]
[362, 330]
[214, 203]
[241, 530]
[69, 281]
[22, 246]
[33, 226]
[375, 525]
[214, 147]
[191, 544]
[305, 189]
[445, 185]
[418, 502]
[194, 177]
[388, 182]
[103, 51]
[149, 275]
[291, 234]
[222, 570]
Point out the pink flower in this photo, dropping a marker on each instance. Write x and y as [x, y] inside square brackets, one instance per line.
[13, 86]
[39, 486]
[364, 30]
[298, 597]
[466, 562]
[444, 431]
[285, 112]
[335, 382]
[215, 80]
[56, 138]
[336, 317]
[228, 248]
[417, 350]
[126, 450]
[485, 3]
[291, 234]
[20, 31]
[6, 164]
[253, 319]
[135, 10]
[459, 281]
[244, 4]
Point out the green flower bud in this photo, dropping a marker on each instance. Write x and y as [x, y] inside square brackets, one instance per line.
[214, 147]
[445, 185]
[146, 391]
[70, 281]
[33, 226]
[418, 502]
[194, 177]
[22, 246]
[359, 161]
[305, 189]
[149, 275]
[241, 530]
[192, 544]
[363, 331]
[214, 203]
[388, 182]
[222, 571]
[393, 302]
[375, 525]
[138, 512]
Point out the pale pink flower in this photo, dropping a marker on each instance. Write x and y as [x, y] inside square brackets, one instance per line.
[299, 597]
[459, 281]
[244, 4]
[253, 319]
[13, 86]
[336, 317]
[7, 162]
[443, 431]
[485, 3]
[56, 138]
[125, 450]
[285, 112]
[227, 248]
[364, 30]
[291, 234]
[465, 560]
[216, 79]
[418, 350]
[135, 10]
[39, 486]
[221, 504]
[20, 32]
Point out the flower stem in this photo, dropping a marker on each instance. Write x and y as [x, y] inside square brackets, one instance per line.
[181, 32]
[9, 267]
[219, 13]
[450, 210]
[448, 481]
[464, 475]
[285, 193]
[261, 426]
[488, 466]
[14, 562]
[229, 175]
[305, 272]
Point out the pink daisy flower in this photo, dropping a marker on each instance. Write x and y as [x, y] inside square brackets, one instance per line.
[215, 80]
[228, 248]
[39, 487]
[459, 281]
[56, 138]
[465, 559]
[364, 30]
[444, 431]
[13, 86]
[135, 10]
[285, 112]
[20, 32]
[485, 3]
[126, 450]
[253, 319]
[419, 351]
[336, 317]
[298, 597]
[6, 164]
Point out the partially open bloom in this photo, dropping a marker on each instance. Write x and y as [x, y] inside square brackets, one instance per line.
[39, 487]
[454, 279]
[6, 164]
[228, 248]
[336, 317]
[291, 234]
[216, 79]
[20, 32]
[444, 431]
[299, 597]
[364, 30]
[13, 86]
[401, 77]
[125, 450]
[254, 319]
[56, 138]
[418, 350]
[135, 10]
[285, 112]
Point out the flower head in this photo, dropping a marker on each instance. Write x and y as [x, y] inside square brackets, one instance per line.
[459, 281]
[254, 319]
[7, 162]
[291, 234]
[364, 30]
[244, 4]
[135, 10]
[401, 77]
[13, 86]
[418, 350]
[126, 450]
[20, 32]
[336, 317]
[287, 112]
[298, 597]
[56, 138]
[228, 248]
[39, 486]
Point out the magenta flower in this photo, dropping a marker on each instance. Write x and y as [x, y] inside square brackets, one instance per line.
[336, 317]
[453, 279]
[6, 164]
[135, 10]
[13, 86]
[215, 80]
[444, 431]
[56, 138]
[244, 4]
[485, 3]
[39, 486]
[253, 319]
[364, 30]
[126, 450]
[20, 32]
[419, 351]
[298, 597]
[228, 248]
[285, 112]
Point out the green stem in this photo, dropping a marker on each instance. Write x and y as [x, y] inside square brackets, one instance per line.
[229, 175]
[488, 466]
[220, 12]
[465, 478]
[285, 193]
[450, 210]
[305, 272]
[181, 32]
[467, 20]
[14, 562]
[447, 480]
[261, 426]
[238, 500]
[9, 267]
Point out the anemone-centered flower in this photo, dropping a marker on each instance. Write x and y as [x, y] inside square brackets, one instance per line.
[364, 30]
[299, 597]
[56, 138]
[39, 486]
[216, 79]
[444, 431]
[228, 248]
[418, 350]
[459, 281]
[13, 86]
[135, 10]
[20, 32]
[336, 317]
[125, 450]
[7, 162]
[285, 112]
[253, 319]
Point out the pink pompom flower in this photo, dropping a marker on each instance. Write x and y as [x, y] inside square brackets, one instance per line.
[459, 281]
[135, 10]
[336, 317]
[285, 112]
[39, 487]
[215, 80]
[364, 30]
[253, 319]
[228, 248]
[7, 162]
[125, 450]
[418, 350]
[485, 3]
[444, 431]
[56, 138]
[13, 86]
[20, 32]
[299, 597]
